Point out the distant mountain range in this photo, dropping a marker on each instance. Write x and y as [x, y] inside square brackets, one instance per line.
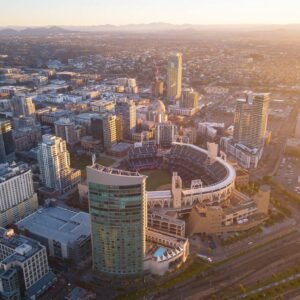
[151, 27]
[34, 31]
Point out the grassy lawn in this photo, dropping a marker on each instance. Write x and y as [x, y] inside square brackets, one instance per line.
[156, 178]
[82, 161]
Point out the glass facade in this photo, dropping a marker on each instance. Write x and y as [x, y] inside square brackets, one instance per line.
[118, 215]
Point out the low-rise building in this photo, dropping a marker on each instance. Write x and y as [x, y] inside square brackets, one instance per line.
[65, 233]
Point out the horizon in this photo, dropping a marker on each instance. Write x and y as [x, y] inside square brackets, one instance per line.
[35, 13]
[226, 25]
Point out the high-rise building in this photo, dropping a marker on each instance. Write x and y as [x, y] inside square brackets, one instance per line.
[259, 119]
[127, 110]
[189, 98]
[7, 145]
[118, 210]
[242, 122]
[23, 106]
[164, 134]
[251, 118]
[297, 131]
[54, 163]
[174, 76]
[24, 269]
[109, 131]
[97, 127]
[65, 128]
[17, 195]
[107, 128]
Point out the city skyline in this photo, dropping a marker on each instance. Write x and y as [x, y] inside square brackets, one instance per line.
[67, 13]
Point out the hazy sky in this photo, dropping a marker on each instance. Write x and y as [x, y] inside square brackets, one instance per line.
[98, 12]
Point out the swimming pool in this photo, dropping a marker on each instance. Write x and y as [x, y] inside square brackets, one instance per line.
[159, 252]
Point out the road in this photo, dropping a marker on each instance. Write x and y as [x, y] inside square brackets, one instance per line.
[276, 151]
[268, 286]
[236, 269]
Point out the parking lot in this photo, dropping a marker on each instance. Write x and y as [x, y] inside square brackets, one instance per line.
[288, 173]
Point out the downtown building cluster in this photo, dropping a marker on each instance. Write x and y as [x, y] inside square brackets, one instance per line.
[127, 230]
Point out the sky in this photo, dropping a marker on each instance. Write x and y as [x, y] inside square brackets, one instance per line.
[120, 12]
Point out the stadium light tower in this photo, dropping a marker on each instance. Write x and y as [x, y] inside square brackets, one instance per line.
[196, 184]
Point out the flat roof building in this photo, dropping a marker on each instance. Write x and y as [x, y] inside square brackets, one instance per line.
[17, 196]
[65, 233]
[28, 259]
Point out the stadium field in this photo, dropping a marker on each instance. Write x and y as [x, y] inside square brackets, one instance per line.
[157, 178]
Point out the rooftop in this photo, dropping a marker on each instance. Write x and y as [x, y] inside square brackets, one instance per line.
[8, 171]
[22, 246]
[114, 171]
[58, 223]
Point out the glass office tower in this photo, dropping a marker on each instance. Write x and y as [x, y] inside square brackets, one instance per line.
[117, 202]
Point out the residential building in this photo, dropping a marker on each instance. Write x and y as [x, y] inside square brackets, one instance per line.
[27, 138]
[118, 225]
[127, 111]
[7, 145]
[112, 130]
[189, 99]
[23, 106]
[66, 129]
[24, 269]
[17, 195]
[54, 163]
[251, 117]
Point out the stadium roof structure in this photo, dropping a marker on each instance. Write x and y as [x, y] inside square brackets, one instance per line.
[226, 181]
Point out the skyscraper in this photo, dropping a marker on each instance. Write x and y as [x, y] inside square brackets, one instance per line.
[54, 163]
[117, 201]
[127, 111]
[251, 118]
[7, 145]
[174, 76]
[242, 121]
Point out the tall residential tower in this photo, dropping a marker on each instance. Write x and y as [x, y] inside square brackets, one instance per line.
[251, 118]
[118, 210]
[54, 163]
[174, 76]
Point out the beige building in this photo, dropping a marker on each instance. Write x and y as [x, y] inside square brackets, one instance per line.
[262, 199]
[242, 214]
[251, 116]
[174, 75]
